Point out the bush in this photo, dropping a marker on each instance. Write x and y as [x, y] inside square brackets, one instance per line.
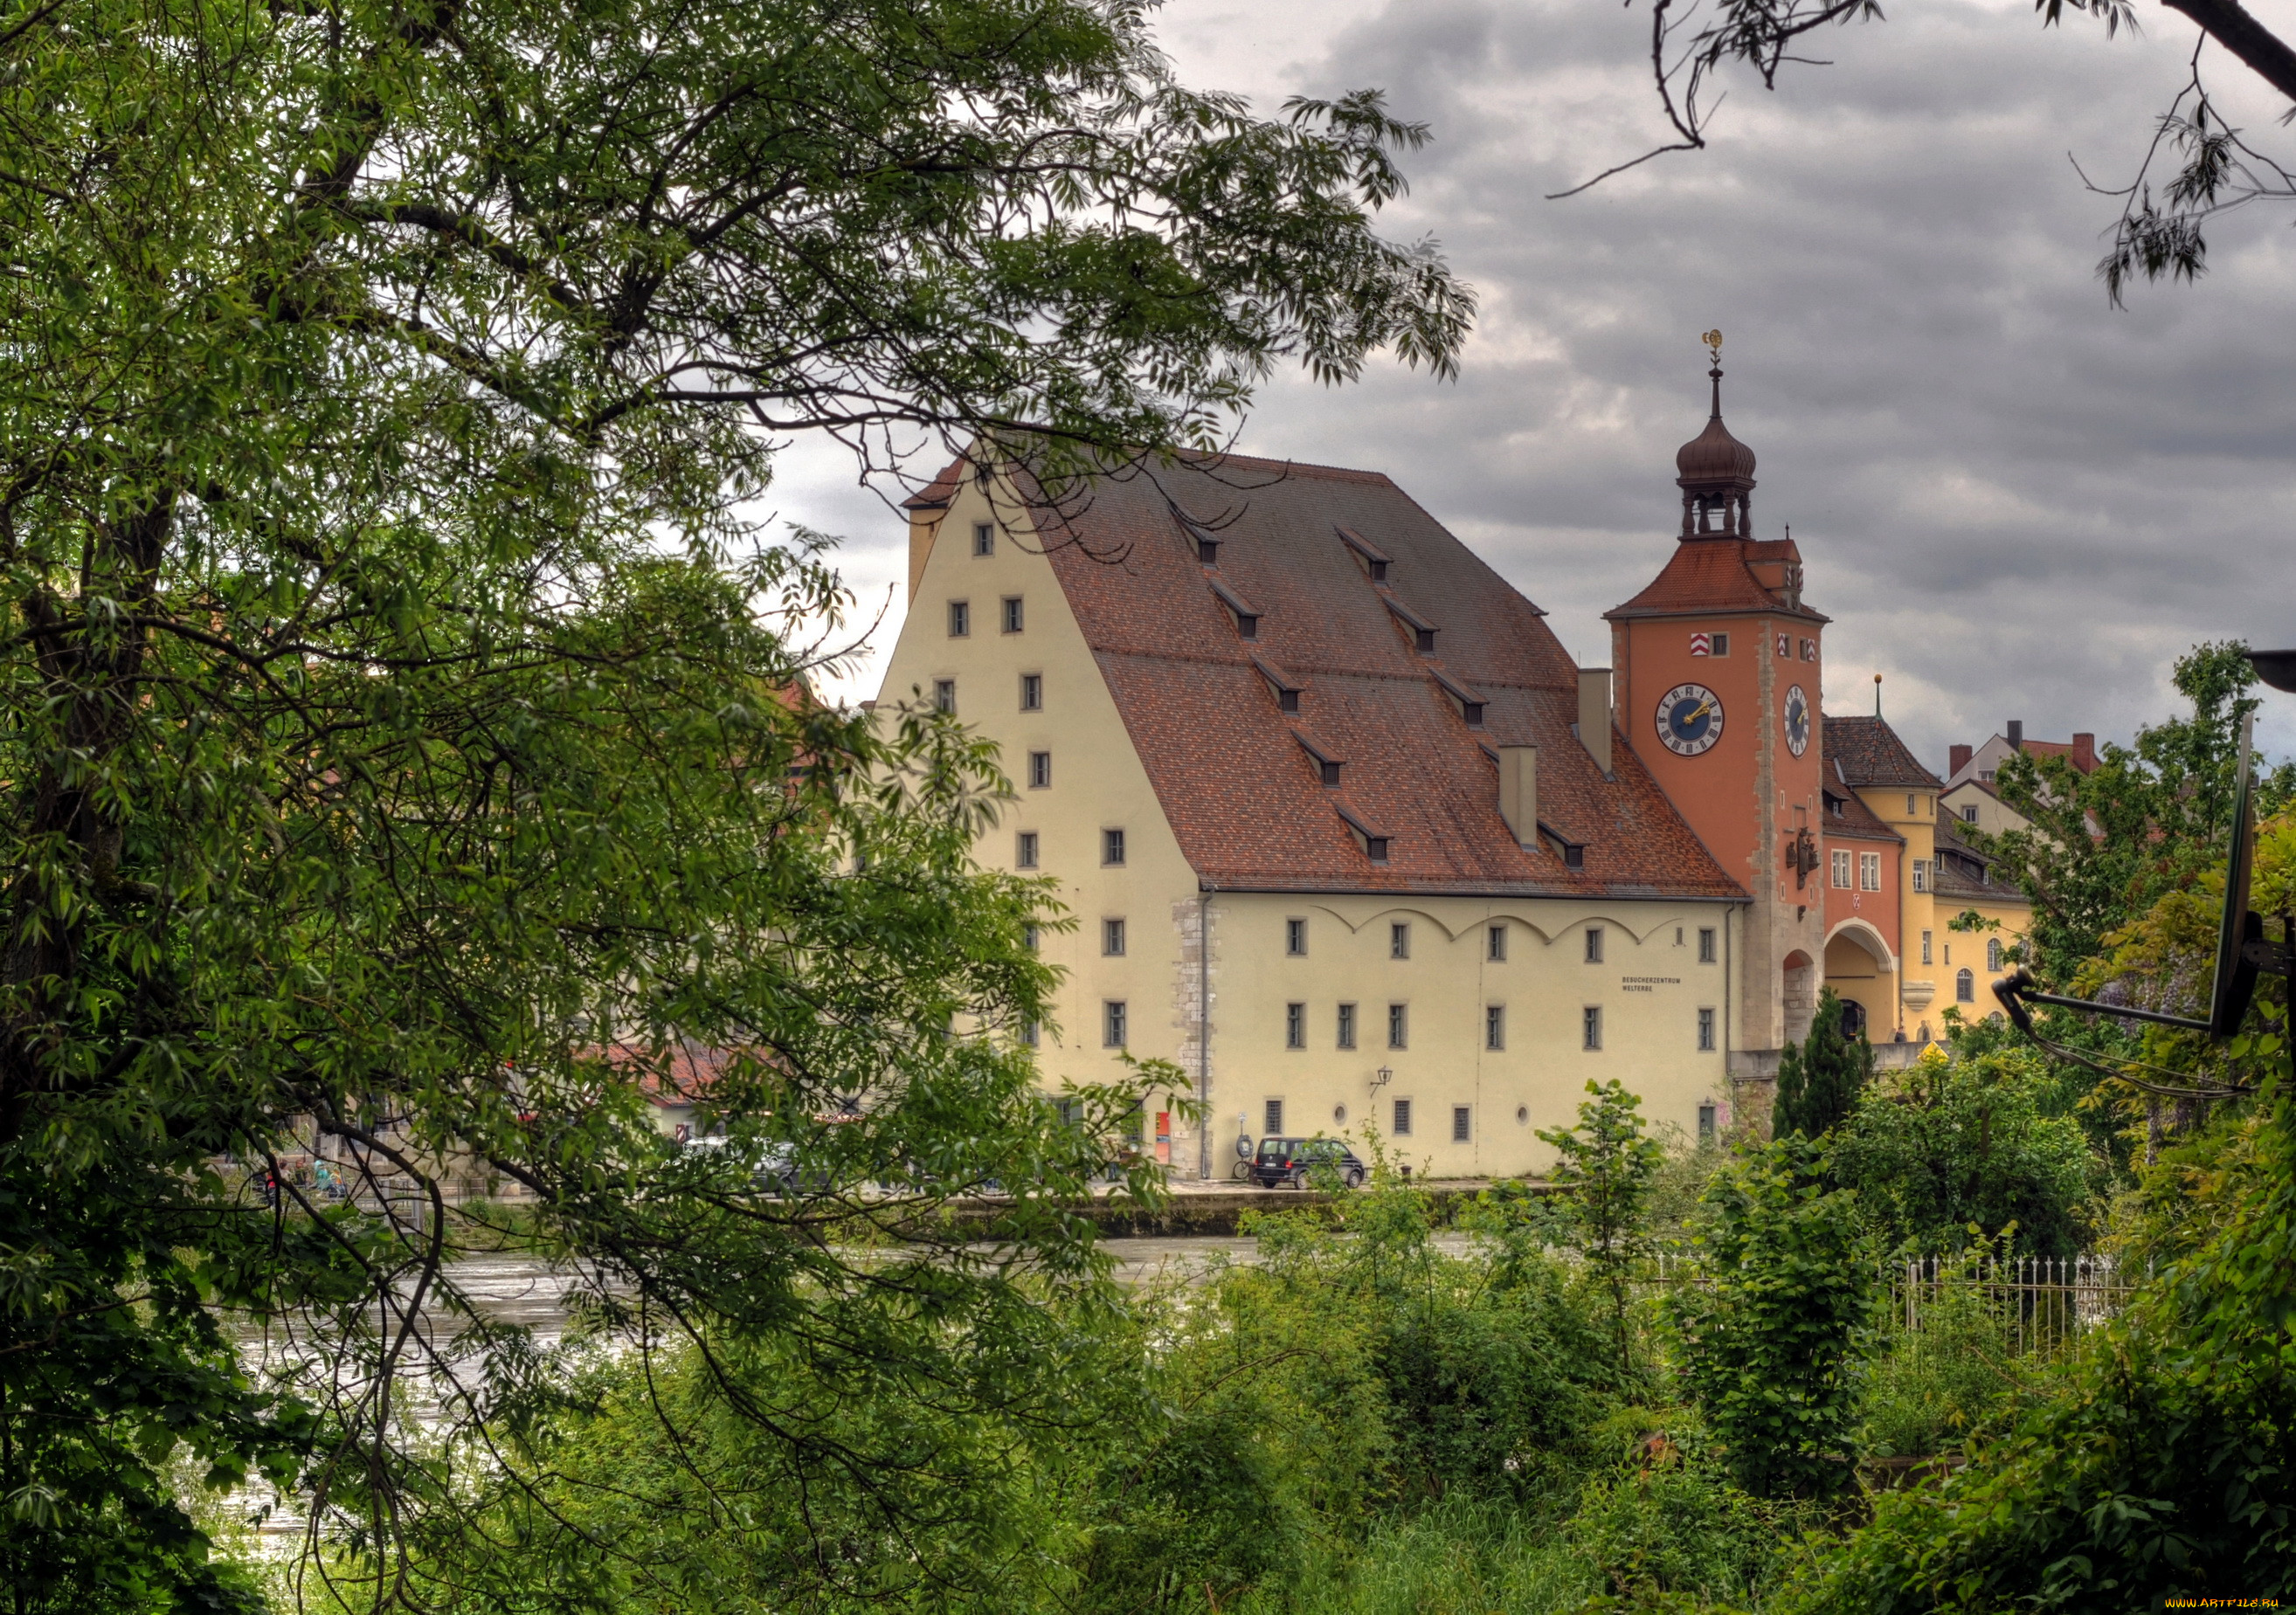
[1675, 1527]
[1949, 1151]
[1771, 1335]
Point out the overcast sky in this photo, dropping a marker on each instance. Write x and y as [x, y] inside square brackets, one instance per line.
[2013, 501]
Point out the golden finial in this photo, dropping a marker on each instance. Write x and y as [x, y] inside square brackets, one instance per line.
[1713, 341]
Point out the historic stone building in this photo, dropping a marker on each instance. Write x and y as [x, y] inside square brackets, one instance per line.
[1347, 836]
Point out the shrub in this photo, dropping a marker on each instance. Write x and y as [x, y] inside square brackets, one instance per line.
[1952, 1150]
[1605, 1169]
[1770, 1337]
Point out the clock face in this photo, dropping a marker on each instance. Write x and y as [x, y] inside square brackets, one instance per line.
[1797, 720]
[1689, 720]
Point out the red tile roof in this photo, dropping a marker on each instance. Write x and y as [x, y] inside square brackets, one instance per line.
[1713, 577]
[1242, 794]
[1869, 753]
[1854, 820]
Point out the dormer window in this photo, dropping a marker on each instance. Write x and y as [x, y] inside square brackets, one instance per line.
[1287, 693]
[1423, 632]
[1373, 842]
[1246, 615]
[1207, 550]
[1372, 559]
[1470, 703]
[1573, 853]
[1326, 767]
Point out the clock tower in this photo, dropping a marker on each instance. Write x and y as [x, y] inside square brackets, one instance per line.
[1717, 693]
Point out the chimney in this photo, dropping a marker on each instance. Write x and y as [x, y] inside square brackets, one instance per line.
[1519, 793]
[1595, 716]
[2016, 735]
[1957, 759]
[2085, 752]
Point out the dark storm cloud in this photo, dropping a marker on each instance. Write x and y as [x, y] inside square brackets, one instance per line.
[2013, 501]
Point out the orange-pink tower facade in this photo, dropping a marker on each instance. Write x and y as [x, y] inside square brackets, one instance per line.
[1717, 689]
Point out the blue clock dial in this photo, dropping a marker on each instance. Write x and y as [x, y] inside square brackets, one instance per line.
[1797, 718]
[1689, 720]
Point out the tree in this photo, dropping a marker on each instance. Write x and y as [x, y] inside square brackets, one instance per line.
[1771, 1335]
[401, 706]
[2150, 819]
[1605, 1169]
[1819, 1078]
[2215, 169]
[1969, 1143]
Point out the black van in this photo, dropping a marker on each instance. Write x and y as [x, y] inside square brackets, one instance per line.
[1289, 1160]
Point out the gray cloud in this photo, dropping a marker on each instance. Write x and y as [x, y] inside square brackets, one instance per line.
[2013, 501]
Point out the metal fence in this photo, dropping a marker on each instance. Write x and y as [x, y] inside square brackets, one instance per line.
[2032, 1303]
[2037, 1303]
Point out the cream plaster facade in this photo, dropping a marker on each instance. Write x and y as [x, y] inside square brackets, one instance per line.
[1222, 1012]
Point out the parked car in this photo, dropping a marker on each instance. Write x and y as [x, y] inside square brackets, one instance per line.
[1290, 1161]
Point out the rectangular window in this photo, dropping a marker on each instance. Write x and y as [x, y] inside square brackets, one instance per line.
[1948, 953]
[1590, 1027]
[1497, 944]
[1111, 846]
[1841, 871]
[1706, 945]
[1462, 1117]
[1347, 1038]
[1032, 693]
[1029, 1034]
[1040, 770]
[984, 539]
[1111, 938]
[1920, 874]
[1399, 941]
[1706, 1125]
[1705, 1031]
[1399, 1026]
[1721, 644]
[1969, 813]
[1909, 806]
[1029, 935]
[1271, 1118]
[1403, 1118]
[1809, 650]
[1012, 603]
[1494, 1025]
[1925, 947]
[1295, 938]
[1112, 1024]
[1593, 945]
[945, 696]
[1295, 1026]
[1785, 646]
[1024, 853]
[960, 619]
[1869, 871]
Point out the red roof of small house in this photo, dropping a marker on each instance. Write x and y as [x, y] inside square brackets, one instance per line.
[1866, 752]
[1243, 796]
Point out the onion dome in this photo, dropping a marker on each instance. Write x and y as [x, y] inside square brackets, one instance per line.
[1714, 456]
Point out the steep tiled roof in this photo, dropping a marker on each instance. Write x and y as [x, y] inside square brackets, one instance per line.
[1242, 793]
[1713, 577]
[1955, 853]
[1869, 753]
[1847, 816]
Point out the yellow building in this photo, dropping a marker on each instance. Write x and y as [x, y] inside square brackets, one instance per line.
[1350, 839]
[1939, 875]
[1346, 834]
